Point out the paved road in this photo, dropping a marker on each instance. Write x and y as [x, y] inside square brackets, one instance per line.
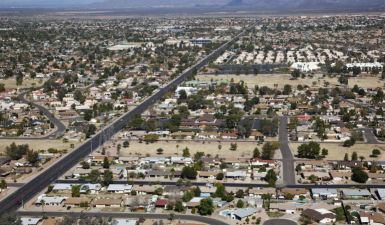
[369, 136]
[287, 156]
[41, 181]
[279, 222]
[202, 219]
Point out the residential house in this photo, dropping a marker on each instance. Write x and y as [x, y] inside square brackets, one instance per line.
[107, 202]
[322, 216]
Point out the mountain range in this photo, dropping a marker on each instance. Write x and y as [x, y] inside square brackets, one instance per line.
[211, 5]
[249, 5]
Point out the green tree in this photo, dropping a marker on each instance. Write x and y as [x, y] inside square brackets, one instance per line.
[75, 191]
[179, 206]
[32, 157]
[106, 163]
[220, 176]
[2, 87]
[268, 150]
[189, 173]
[324, 152]
[240, 194]
[206, 207]
[256, 153]
[359, 175]
[15, 152]
[78, 96]
[271, 178]
[354, 156]
[376, 152]
[295, 73]
[240, 204]
[94, 176]
[19, 79]
[9, 219]
[3, 184]
[233, 146]
[107, 177]
[309, 151]
[159, 151]
[186, 152]
[346, 157]
[220, 192]
[287, 89]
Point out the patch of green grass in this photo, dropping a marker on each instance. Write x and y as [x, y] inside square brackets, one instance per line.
[275, 214]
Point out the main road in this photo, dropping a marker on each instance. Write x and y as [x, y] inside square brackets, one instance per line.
[287, 156]
[158, 216]
[38, 183]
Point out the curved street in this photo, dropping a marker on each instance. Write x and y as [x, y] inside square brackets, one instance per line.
[279, 222]
[60, 127]
[202, 219]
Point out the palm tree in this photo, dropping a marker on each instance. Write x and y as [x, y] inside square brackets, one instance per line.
[42, 202]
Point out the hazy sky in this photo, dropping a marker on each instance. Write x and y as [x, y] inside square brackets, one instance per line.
[45, 2]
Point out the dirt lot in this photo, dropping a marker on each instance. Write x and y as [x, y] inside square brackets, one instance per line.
[282, 79]
[37, 144]
[11, 83]
[337, 151]
[175, 148]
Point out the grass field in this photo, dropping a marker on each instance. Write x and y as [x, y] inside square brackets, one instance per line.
[337, 151]
[281, 79]
[27, 83]
[37, 144]
[244, 149]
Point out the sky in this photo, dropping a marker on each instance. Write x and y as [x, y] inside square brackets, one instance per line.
[48, 3]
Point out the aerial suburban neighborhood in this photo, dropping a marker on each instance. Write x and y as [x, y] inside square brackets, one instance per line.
[118, 119]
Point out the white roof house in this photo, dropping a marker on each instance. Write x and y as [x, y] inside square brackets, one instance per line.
[243, 213]
[50, 200]
[125, 221]
[90, 187]
[236, 174]
[119, 188]
[62, 187]
[305, 66]
[30, 220]
[188, 90]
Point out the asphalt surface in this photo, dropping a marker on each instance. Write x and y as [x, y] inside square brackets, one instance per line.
[287, 156]
[177, 217]
[41, 181]
[369, 136]
[279, 222]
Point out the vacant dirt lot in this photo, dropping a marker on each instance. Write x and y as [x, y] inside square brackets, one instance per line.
[281, 79]
[337, 151]
[172, 148]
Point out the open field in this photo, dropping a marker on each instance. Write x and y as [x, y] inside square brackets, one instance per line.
[37, 144]
[27, 83]
[171, 149]
[337, 151]
[281, 79]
